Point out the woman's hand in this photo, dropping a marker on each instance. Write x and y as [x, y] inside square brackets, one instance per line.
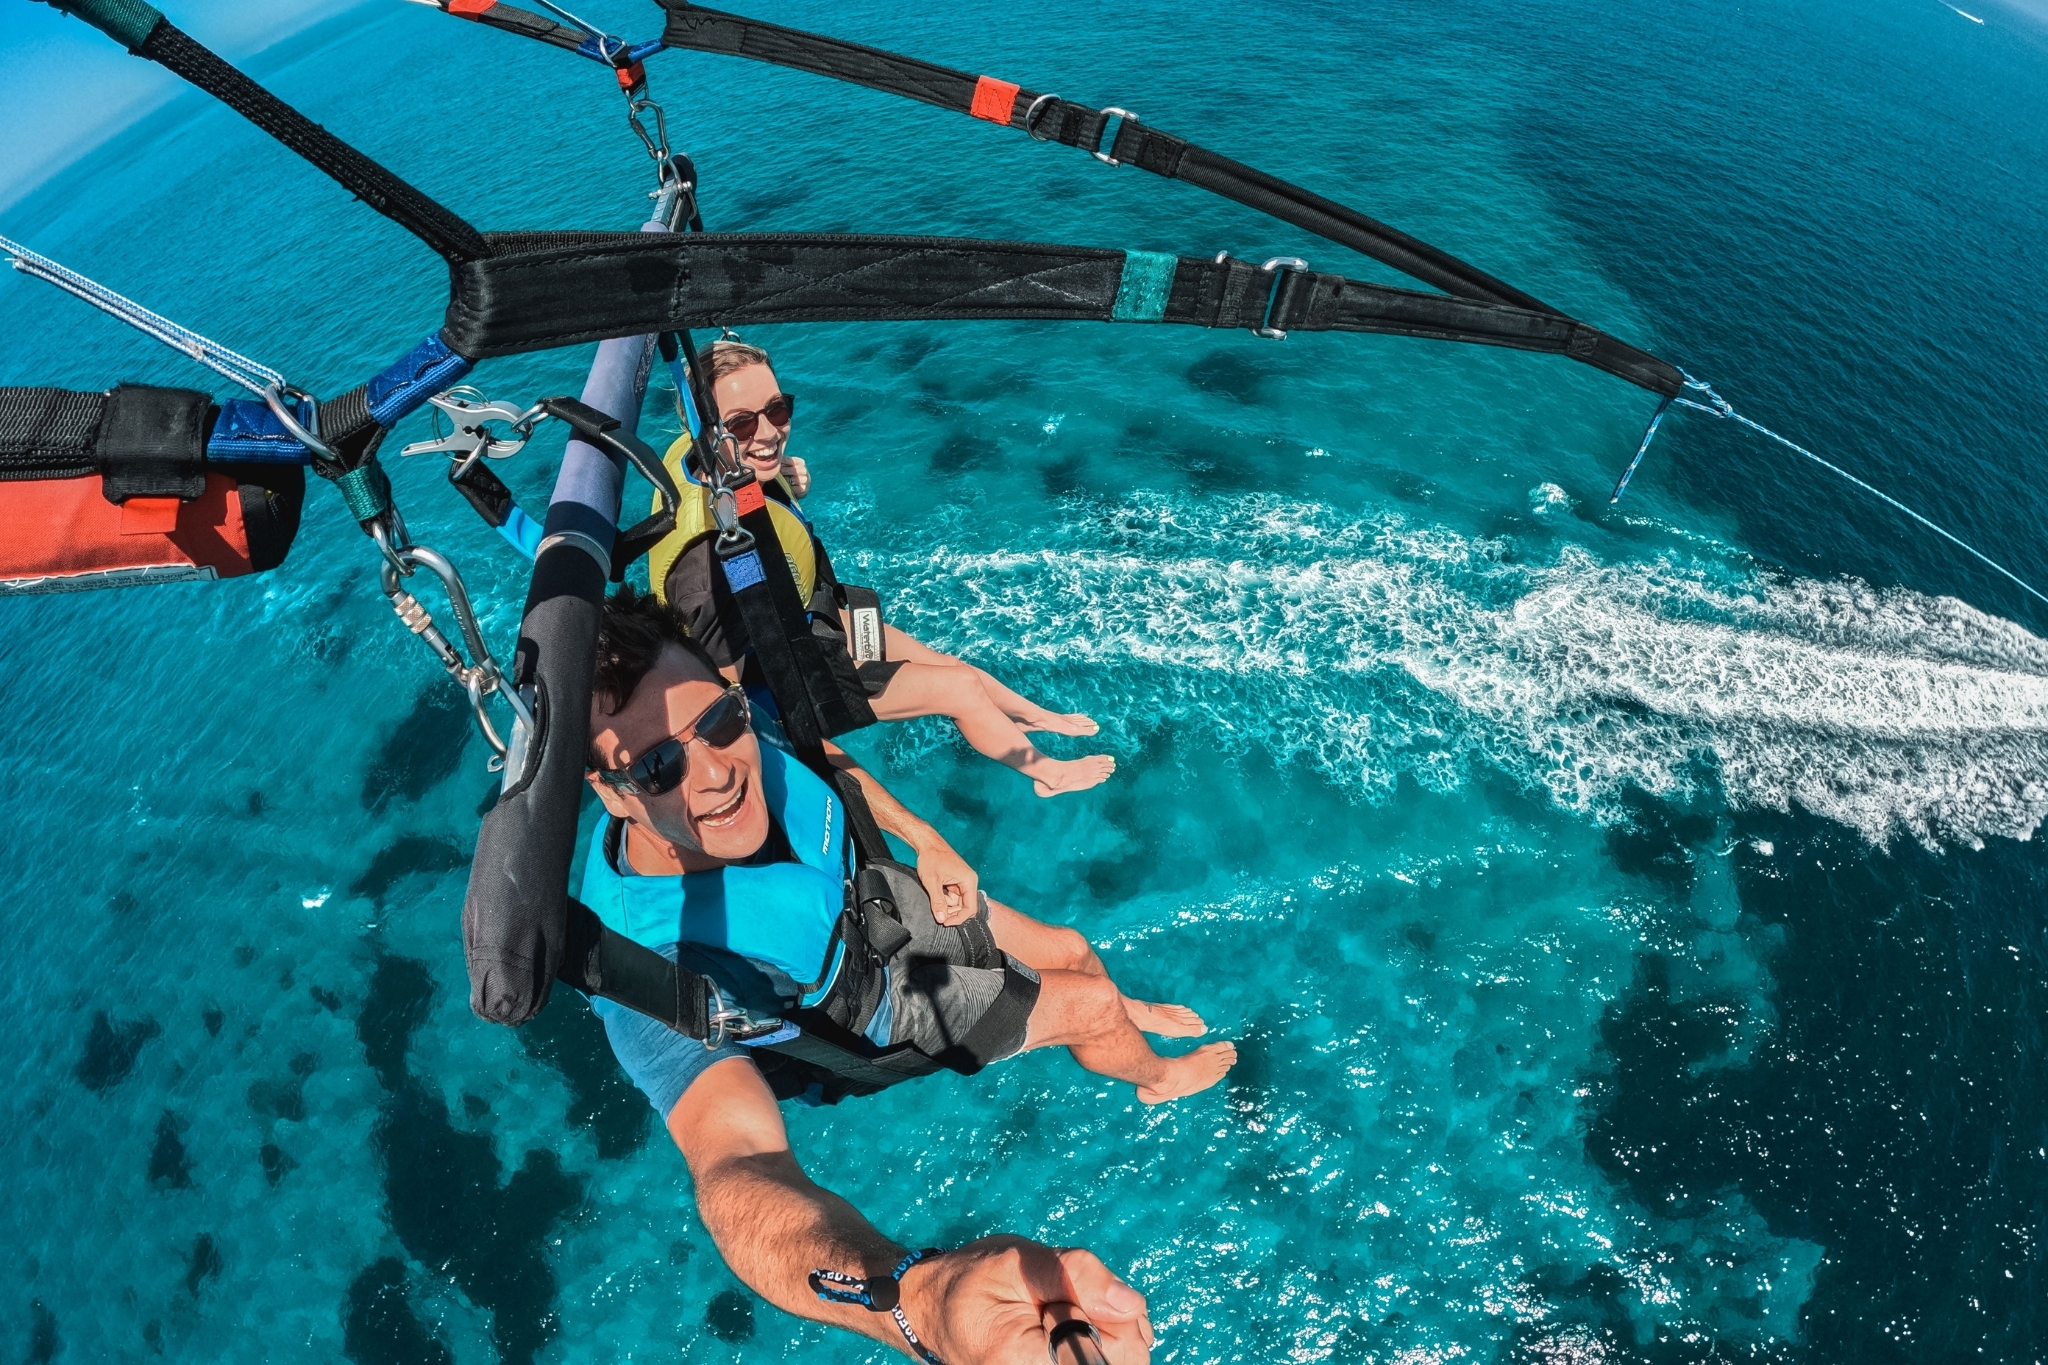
[799, 475]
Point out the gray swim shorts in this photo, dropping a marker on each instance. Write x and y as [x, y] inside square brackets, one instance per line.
[965, 1016]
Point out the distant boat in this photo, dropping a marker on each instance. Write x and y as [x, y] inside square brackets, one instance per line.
[1966, 14]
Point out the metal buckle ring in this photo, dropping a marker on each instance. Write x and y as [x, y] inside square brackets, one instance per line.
[275, 395]
[1124, 114]
[1031, 119]
[1278, 268]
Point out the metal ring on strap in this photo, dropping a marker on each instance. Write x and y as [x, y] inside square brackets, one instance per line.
[1031, 118]
[1278, 268]
[1127, 117]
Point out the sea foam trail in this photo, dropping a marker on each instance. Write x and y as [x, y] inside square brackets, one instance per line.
[1378, 648]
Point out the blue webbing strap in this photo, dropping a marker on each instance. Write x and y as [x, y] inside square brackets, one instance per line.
[406, 383]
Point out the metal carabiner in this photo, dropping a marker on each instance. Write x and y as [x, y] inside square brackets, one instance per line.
[656, 142]
[480, 675]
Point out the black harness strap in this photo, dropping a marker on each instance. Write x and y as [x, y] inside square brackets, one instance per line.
[49, 433]
[144, 442]
[146, 33]
[525, 23]
[598, 961]
[540, 290]
[1052, 119]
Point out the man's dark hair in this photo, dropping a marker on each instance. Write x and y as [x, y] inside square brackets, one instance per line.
[631, 634]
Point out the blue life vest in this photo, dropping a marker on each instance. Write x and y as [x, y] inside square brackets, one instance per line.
[777, 918]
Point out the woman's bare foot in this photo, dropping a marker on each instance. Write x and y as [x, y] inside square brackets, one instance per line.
[1188, 1075]
[1168, 1021]
[1054, 776]
[1053, 723]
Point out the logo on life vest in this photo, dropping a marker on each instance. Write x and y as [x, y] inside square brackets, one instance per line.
[867, 635]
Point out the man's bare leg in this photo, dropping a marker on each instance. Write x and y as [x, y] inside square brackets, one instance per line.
[1084, 1014]
[1049, 948]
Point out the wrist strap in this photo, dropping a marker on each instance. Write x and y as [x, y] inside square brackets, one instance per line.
[881, 1294]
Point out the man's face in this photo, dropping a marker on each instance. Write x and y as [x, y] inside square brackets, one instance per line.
[718, 808]
[748, 389]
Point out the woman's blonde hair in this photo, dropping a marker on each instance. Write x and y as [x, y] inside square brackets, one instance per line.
[721, 358]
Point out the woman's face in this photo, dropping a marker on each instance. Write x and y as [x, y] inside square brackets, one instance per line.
[749, 390]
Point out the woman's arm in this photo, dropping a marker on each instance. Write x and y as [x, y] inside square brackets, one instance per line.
[948, 880]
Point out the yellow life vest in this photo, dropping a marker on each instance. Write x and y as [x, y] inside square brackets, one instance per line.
[694, 521]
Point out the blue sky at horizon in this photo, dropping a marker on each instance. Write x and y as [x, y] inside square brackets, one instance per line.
[69, 87]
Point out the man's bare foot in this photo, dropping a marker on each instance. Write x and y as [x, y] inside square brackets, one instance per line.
[1053, 723]
[1168, 1021]
[1188, 1075]
[1055, 777]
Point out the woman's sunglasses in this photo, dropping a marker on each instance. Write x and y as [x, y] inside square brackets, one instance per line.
[661, 769]
[778, 410]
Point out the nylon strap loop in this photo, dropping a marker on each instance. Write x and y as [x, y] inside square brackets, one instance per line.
[366, 490]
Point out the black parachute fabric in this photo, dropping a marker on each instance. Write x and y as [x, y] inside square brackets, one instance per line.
[528, 291]
[1050, 118]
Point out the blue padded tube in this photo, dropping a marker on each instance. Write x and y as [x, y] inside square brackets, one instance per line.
[590, 486]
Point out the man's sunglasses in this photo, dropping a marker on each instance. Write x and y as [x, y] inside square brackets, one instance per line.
[661, 769]
[778, 410]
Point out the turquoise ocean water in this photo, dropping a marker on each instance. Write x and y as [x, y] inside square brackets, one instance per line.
[1630, 920]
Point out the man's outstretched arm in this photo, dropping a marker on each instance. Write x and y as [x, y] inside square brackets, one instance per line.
[947, 878]
[988, 1303]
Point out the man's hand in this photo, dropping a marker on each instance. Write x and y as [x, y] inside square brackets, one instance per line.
[948, 880]
[799, 475]
[992, 1302]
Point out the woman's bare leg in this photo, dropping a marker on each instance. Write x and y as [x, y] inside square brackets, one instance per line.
[921, 689]
[1049, 948]
[1028, 714]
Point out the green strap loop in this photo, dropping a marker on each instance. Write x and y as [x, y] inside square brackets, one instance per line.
[1144, 286]
[366, 490]
[127, 22]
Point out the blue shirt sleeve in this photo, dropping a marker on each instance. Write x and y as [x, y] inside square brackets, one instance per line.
[660, 1061]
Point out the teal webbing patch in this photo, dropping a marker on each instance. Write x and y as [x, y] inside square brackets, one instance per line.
[1147, 281]
[127, 22]
[366, 491]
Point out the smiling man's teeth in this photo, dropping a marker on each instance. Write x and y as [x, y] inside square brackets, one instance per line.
[726, 813]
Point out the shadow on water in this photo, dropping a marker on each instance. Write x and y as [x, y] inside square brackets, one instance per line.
[111, 1049]
[571, 1039]
[421, 751]
[445, 1201]
[409, 855]
[1893, 1112]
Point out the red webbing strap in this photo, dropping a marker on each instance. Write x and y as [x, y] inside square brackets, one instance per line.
[470, 9]
[994, 100]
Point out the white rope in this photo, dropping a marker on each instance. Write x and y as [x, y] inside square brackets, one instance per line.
[258, 379]
[1717, 406]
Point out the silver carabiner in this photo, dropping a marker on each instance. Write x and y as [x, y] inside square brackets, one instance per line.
[656, 142]
[480, 675]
